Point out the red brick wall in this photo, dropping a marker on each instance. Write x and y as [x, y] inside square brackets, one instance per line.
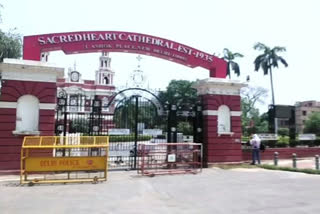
[224, 148]
[10, 145]
[284, 153]
[13, 89]
[212, 102]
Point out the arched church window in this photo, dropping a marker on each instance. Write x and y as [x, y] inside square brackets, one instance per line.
[105, 101]
[27, 117]
[224, 123]
[106, 80]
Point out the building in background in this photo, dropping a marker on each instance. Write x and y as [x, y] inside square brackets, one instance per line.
[291, 117]
[303, 111]
[282, 116]
[80, 91]
[85, 103]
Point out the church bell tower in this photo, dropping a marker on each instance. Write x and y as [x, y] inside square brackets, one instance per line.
[104, 76]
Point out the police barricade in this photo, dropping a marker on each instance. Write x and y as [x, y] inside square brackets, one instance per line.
[55, 159]
[169, 158]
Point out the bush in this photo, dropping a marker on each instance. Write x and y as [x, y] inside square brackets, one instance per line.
[127, 138]
[293, 143]
[245, 139]
[317, 141]
[161, 136]
[269, 143]
[282, 144]
[283, 132]
[283, 141]
[309, 143]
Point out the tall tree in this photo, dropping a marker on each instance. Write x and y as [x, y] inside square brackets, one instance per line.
[252, 122]
[10, 43]
[230, 57]
[251, 96]
[267, 60]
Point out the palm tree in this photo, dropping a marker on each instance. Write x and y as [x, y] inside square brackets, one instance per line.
[229, 57]
[267, 60]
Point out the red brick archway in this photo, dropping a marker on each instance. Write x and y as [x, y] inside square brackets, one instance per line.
[116, 41]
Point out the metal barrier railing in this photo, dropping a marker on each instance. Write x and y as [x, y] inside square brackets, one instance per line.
[170, 158]
[45, 158]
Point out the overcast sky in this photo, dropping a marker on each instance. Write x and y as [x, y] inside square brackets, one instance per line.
[207, 25]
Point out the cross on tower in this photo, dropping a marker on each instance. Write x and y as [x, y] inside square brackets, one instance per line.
[139, 58]
[75, 65]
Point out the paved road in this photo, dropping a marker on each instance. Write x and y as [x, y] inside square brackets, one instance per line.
[213, 191]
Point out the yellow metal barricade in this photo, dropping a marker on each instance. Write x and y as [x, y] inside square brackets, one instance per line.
[53, 159]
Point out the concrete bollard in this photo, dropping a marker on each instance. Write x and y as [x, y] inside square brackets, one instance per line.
[276, 156]
[317, 162]
[294, 160]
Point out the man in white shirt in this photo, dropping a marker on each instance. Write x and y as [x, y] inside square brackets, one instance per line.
[255, 145]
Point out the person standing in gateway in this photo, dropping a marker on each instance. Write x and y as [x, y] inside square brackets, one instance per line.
[255, 145]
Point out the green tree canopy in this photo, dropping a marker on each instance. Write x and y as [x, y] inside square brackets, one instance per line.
[179, 92]
[312, 125]
[185, 128]
[125, 114]
[10, 43]
[252, 122]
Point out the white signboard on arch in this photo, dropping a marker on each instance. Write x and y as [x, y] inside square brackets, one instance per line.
[119, 131]
[307, 136]
[152, 132]
[268, 136]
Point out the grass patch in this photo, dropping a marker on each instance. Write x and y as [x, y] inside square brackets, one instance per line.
[308, 171]
[233, 166]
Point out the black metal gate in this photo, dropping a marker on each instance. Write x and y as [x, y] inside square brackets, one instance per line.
[82, 115]
[141, 120]
[133, 116]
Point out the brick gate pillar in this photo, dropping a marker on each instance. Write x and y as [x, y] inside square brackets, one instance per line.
[221, 119]
[27, 105]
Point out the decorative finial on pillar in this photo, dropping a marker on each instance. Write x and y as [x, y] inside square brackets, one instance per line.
[75, 65]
